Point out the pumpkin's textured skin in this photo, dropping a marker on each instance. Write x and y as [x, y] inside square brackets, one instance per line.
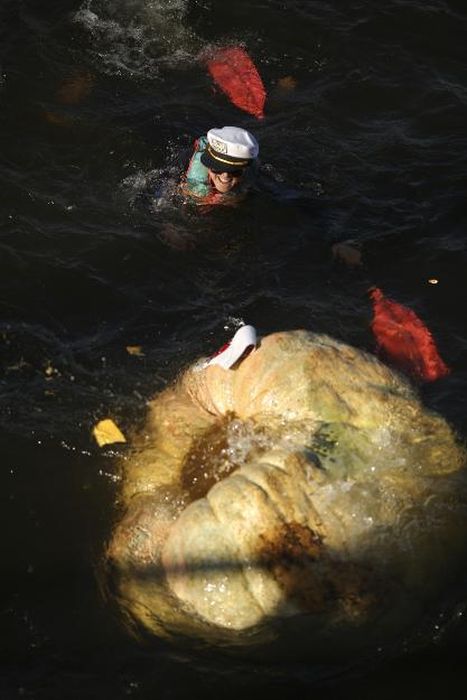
[305, 497]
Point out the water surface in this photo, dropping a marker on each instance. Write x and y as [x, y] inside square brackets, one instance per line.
[100, 103]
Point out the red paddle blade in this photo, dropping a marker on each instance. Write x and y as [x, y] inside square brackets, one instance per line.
[234, 73]
[404, 339]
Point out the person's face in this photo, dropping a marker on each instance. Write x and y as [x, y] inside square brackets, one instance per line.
[224, 182]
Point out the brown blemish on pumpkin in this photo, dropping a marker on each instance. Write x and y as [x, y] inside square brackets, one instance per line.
[311, 578]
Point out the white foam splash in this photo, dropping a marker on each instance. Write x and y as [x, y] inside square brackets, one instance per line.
[133, 38]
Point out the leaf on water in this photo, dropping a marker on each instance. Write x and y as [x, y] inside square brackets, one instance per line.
[50, 371]
[347, 253]
[57, 119]
[287, 83]
[76, 87]
[135, 350]
[107, 433]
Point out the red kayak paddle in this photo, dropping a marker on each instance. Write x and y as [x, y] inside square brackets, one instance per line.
[236, 75]
[404, 339]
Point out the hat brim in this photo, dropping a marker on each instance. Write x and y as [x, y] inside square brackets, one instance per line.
[219, 164]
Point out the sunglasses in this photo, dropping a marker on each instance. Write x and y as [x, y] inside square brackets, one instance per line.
[237, 173]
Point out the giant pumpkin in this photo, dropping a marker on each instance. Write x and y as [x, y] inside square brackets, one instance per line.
[304, 499]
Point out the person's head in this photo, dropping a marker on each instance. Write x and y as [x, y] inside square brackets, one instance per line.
[228, 153]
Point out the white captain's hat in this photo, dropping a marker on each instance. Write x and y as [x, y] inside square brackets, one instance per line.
[229, 149]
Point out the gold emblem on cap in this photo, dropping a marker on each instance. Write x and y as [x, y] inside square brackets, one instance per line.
[220, 146]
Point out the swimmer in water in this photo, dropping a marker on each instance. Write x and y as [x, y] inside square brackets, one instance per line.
[221, 166]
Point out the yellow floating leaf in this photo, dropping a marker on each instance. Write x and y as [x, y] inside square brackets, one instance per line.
[134, 350]
[106, 432]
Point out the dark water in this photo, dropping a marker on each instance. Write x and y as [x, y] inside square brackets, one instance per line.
[100, 101]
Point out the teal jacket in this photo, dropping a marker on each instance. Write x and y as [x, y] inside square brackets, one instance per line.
[196, 177]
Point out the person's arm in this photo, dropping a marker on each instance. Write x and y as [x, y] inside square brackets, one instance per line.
[195, 182]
